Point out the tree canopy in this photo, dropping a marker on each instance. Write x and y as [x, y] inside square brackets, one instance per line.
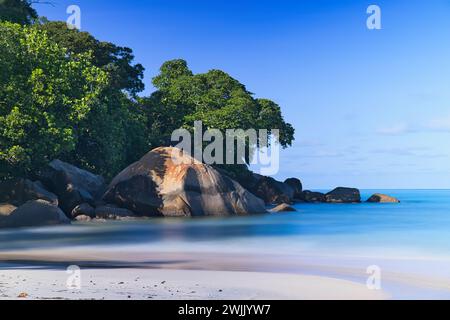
[44, 96]
[215, 98]
[17, 11]
[64, 94]
[55, 105]
[117, 61]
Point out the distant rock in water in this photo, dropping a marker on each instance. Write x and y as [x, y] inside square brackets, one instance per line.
[283, 208]
[34, 214]
[295, 184]
[343, 195]
[167, 182]
[312, 197]
[271, 190]
[72, 185]
[382, 198]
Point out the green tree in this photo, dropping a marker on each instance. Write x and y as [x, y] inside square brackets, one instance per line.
[117, 61]
[17, 11]
[112, 136]
[59, 105]
[44, 97]
[214, 98]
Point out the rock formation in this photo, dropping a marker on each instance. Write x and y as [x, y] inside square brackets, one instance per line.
[311, 197]
[270, 190]
[343, 195]
[34, 214]
[283, 208]
[167, 182]
[20, 191]
[72, 185]
[382, 198]
[295, 184]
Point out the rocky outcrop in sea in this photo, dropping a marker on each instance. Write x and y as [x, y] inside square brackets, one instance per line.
[164, 183]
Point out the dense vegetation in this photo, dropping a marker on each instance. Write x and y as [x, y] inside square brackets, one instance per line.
[17, 11]
[65, 94]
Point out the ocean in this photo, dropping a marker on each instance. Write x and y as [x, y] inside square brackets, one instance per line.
[410, 239]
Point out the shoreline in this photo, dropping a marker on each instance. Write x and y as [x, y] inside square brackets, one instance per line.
[192, 276]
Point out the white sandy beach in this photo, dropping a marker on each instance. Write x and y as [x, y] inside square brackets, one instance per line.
[143, 275]
[139, 284]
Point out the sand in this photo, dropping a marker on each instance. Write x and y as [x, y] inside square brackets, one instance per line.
[140, 284]
[129, 273]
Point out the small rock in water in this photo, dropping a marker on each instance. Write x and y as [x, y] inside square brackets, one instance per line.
[83, 218]
[382, 198]
[343, 195]
[283, 208]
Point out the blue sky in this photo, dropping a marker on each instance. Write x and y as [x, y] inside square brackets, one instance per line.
[371, 108]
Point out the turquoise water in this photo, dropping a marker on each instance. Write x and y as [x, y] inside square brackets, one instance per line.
[420, 224]
[409, 242]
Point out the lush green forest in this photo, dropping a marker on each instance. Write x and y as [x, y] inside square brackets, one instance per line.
[65, 94]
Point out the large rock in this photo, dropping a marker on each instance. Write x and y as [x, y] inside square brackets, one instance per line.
[72, 185]
[312, 197]
[382, 198]
[271, 190]
[166, 182]
[343, 195]
[295, 184]
[20, 191]
[34, 213]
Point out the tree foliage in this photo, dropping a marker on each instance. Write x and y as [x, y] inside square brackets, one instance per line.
[66, 95]
[55, 105]
[214, 98]
[115, 60]
[44, 97]
[17, 11]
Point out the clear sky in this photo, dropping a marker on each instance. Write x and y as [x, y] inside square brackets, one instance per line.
[371, 108]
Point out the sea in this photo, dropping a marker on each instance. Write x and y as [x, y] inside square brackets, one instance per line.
[406, 243]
